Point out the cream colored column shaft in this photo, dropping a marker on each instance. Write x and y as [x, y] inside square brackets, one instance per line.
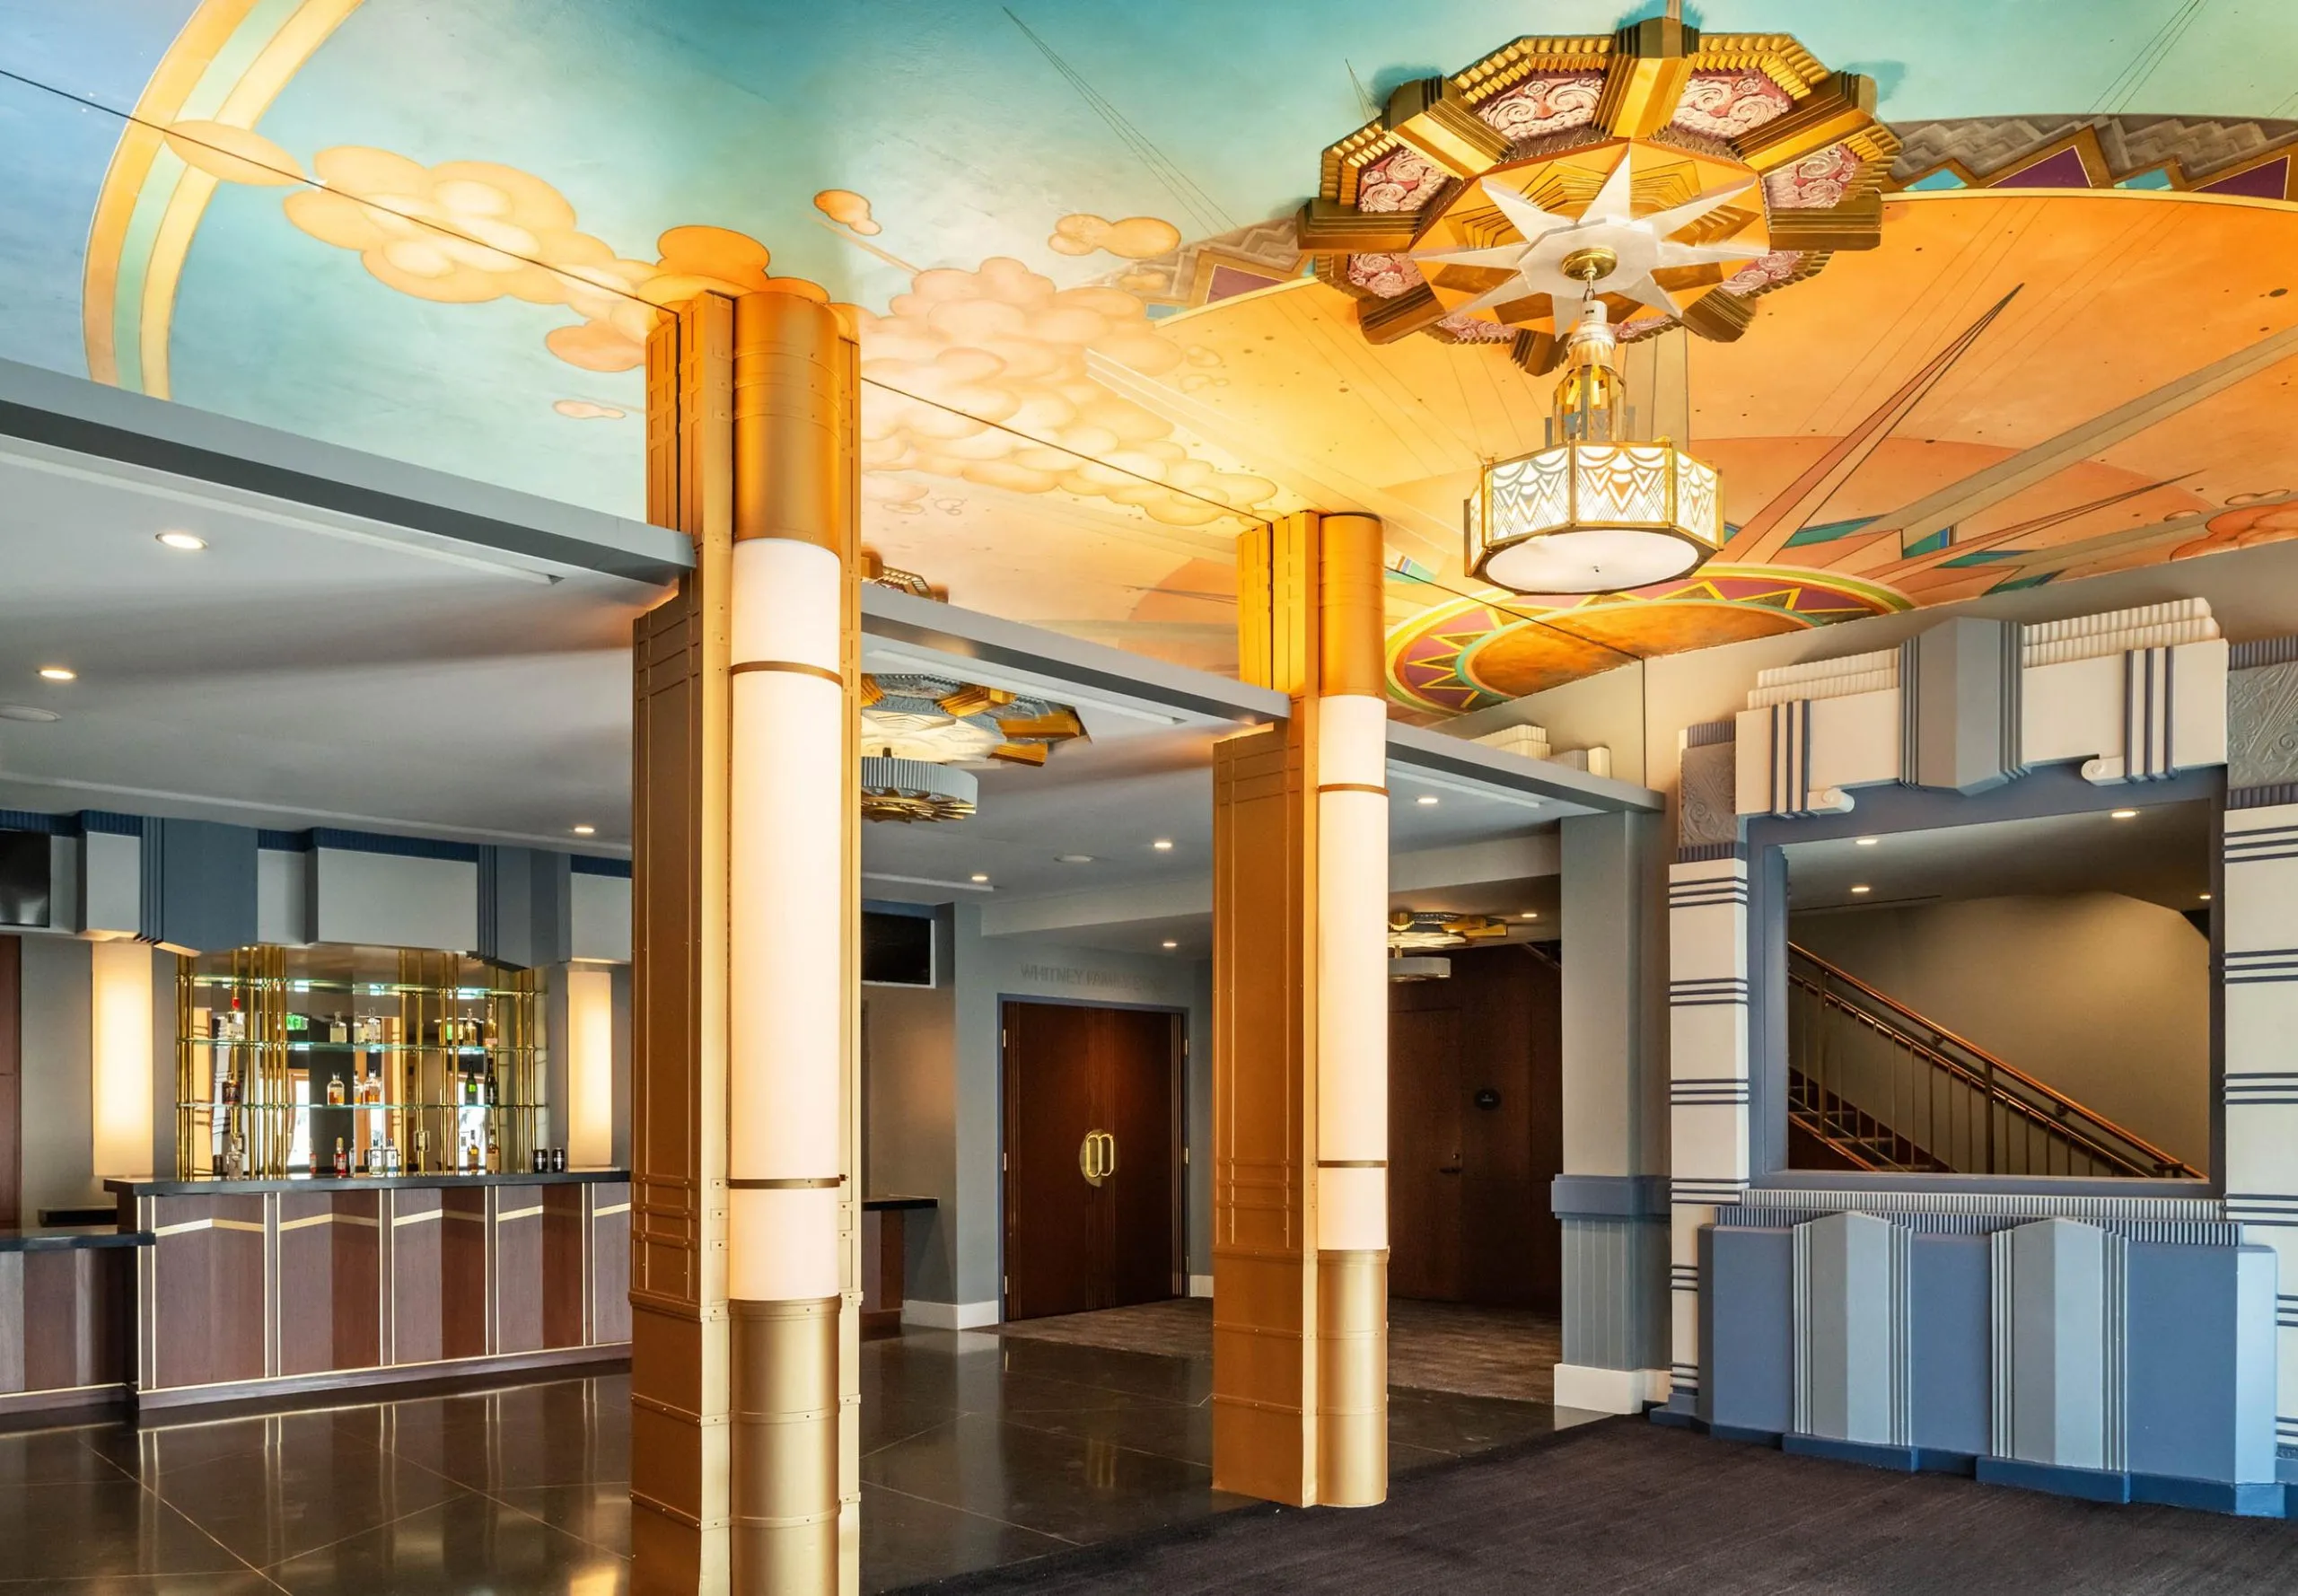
[1352, 1018]
[789, 986]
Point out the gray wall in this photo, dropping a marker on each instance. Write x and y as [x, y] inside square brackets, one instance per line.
[989, 968]
[909, 1111]
[2103, 996]
[57, 1116]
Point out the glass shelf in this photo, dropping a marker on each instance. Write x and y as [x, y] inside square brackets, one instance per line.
[361, 988]
[464, 1049]
[215, 1106]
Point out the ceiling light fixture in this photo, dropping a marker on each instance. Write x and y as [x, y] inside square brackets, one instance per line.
[1598, 510]
[1074, 858]
[1867, 842]
[586, 830]
[1863, 888]
[185, 542]
[1163, 845]
[58, 673]
[25, 712]
[977, 878]
[2122, 814]
[2204, 896]
[1170, 945]
[1530, 914]
[1427, 801]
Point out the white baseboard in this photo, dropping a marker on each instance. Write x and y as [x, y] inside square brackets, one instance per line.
[1200, 1285]
[1608, 1390]
[949, 1316]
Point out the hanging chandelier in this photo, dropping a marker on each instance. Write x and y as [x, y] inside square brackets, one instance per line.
[920, 732]
[1598, 510]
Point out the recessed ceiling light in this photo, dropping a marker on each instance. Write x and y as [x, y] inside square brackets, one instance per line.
[977, 878]
[1868, 842]
[1863, 888]
[1171, 944]
[25, 712]
[1163, 845]
[2204, 896]
[58, 673]
[183, 540]
[1530, 914]
[1074, 858]
[2122, 814]
[586, 830]
[1426, 800]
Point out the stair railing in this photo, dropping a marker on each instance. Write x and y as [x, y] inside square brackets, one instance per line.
[1888, 1088]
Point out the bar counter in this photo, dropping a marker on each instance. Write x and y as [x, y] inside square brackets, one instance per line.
[259, 1287]
[65, 1296]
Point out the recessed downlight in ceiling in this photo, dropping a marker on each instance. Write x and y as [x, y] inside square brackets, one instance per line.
[25, 712]
[1169, 945]
[1428, 800]
[1163, 845]
[977, 878]
[584, 830]
[185, 542]
[1863, 889]
[1075, 858]
[58, 673]
[2119, 814]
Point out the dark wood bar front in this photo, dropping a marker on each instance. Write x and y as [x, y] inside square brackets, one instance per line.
[65, 1317]
[256, 1287]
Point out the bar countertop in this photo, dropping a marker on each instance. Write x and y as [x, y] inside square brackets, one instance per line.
[215, 1186]
[70, 1239]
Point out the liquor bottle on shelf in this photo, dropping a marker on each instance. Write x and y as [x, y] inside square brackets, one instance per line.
[235, 1150]
[422, 1152]
[342, 1158]
[493, 1152]
[335, 1092]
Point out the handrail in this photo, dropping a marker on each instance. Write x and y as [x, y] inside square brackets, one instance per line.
[2162, 1160]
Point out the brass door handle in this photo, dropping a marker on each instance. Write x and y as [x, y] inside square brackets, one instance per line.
[1097, 1156]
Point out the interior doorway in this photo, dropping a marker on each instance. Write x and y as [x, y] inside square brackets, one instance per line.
[1475, 1132]
[1092, 1200]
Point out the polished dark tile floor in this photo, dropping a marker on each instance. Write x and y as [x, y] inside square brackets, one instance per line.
[977, 1451]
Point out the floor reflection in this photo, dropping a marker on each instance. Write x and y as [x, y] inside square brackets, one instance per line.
[977, 1451]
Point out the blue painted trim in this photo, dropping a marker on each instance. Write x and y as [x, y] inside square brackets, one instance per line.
[104, 822]
[2088, 1485]
[1898, 1460]
[1745, 1437]
[404, 847]
[1608, 1197]
[2261, 1501]
[1675, 1418]
[284, 842]
[591, 865]
[908, 911]
[25, 819]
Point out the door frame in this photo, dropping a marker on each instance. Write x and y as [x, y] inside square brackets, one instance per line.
[1178, 1270]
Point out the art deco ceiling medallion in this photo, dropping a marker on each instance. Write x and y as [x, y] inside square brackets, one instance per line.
[1701, 171]
[919, 733]
[1413, 931]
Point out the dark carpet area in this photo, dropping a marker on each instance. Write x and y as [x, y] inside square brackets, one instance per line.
[1628, 1506]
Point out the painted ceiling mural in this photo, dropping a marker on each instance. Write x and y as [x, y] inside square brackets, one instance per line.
[1096, 341]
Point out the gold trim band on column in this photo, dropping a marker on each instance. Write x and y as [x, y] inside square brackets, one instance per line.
[612, 1208]
[795, 667]
[1352, 1163]
[427, 1213]
[519, 1213]
[794, 1183]
[1353, 786]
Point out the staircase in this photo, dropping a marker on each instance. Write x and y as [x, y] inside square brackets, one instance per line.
[1874, 1085]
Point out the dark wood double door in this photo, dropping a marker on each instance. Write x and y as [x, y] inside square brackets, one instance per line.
[1475, 1132]
[1091, 1202]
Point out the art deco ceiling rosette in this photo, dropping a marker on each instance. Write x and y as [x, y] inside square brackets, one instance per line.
[1704, 170]
[921, 733]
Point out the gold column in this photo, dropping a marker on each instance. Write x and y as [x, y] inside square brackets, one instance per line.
[745, 1385]
[1300, 1030]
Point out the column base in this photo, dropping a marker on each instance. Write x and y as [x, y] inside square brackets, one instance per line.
[1608, 1390]
[785, 1420]
[1351, 1378]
